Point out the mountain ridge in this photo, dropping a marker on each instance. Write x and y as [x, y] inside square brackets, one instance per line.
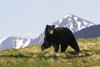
[90, 32]
[14, 42]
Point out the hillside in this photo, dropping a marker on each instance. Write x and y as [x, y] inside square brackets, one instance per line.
[90, 32]
[32, 56]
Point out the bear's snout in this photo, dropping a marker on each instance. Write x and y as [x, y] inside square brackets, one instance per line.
[51, 32]
[42, 48]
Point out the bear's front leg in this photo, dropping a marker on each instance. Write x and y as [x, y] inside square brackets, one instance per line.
[56, 47]
[63, 47]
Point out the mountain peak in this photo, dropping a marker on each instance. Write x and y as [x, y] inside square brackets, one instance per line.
[74, 23]
[70, 15]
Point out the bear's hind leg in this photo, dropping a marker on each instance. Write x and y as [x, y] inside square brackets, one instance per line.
[75, 46]
[63, 47]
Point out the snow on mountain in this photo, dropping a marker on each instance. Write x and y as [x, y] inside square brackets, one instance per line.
[72, 22]
[1, 40]
[14, 42]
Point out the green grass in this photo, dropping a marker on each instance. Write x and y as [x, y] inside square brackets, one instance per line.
[32, 56]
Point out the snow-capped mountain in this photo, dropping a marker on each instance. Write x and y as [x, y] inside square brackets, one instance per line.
[14, 42]
[72, 22]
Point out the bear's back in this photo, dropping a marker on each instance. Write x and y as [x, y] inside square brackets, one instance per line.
[63, 34]
[63, 30]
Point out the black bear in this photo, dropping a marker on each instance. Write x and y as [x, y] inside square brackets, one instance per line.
[59, 36]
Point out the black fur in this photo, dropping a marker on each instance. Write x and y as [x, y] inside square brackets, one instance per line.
[61, 36]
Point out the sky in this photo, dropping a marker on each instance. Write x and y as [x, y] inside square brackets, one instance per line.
[28, 18]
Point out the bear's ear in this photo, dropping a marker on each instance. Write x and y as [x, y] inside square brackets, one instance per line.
[53, 26]
[47, 25]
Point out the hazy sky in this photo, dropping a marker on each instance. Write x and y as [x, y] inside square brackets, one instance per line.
[28, 18]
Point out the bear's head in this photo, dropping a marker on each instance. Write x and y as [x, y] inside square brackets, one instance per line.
[45, 45]
[49, 30]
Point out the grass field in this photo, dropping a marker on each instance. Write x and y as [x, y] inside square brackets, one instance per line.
[32, 56]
